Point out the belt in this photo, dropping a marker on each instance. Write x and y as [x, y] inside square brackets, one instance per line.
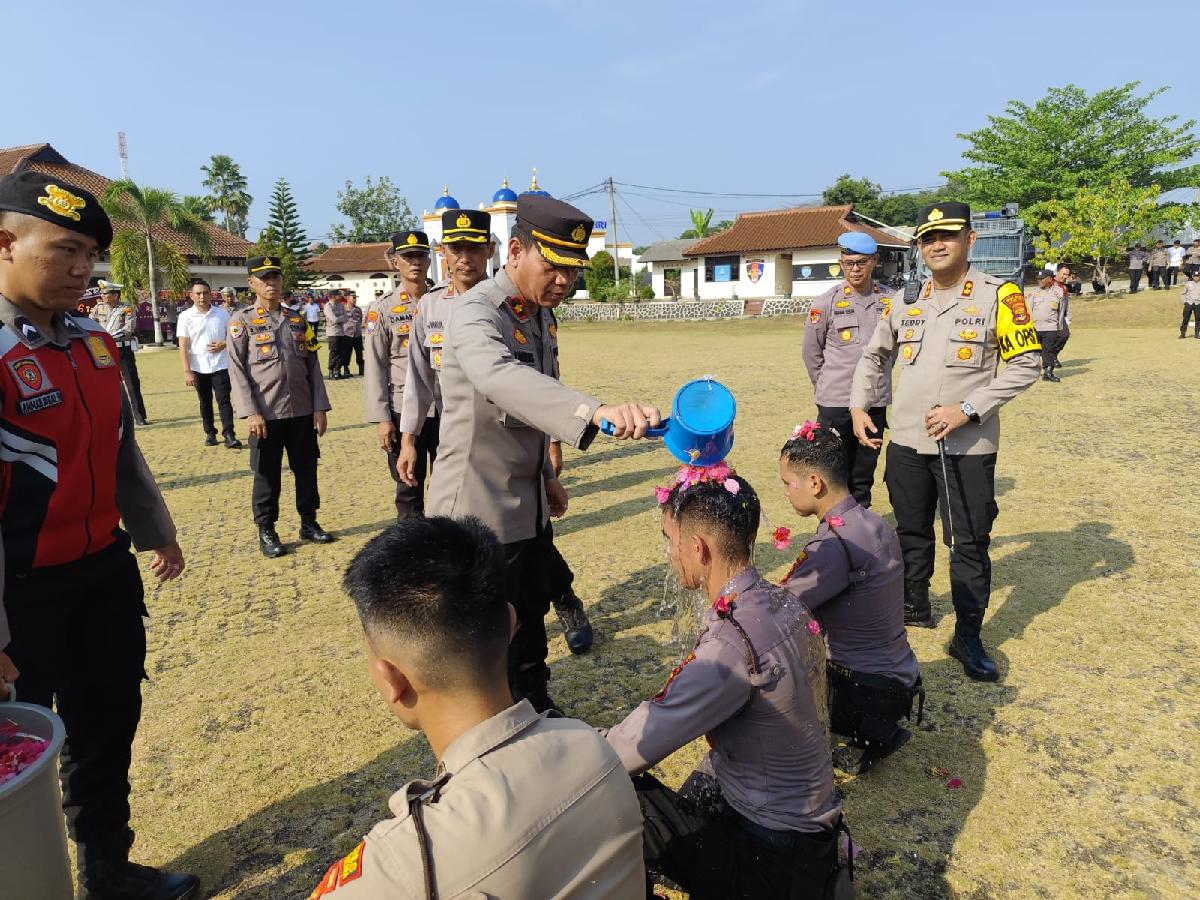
[783, 838]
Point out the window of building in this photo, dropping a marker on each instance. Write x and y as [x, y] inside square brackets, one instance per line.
[722, 268]
[671, 281]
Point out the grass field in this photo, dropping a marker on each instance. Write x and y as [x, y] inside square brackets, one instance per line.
[264, 752]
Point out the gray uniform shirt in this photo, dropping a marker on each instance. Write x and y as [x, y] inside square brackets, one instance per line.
[122, 324]
[1191, 292]
[423, 388]
[840, 322]
[335, 319]
[767, 724]
[1137, 259]
[855, 588]
[271, 370]
[354, 320]
[1046, 305]
[948, 347]
[388, 337]
[501, 401]
[1158, 257]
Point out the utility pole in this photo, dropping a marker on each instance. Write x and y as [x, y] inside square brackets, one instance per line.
[612, 224]
[123, 152]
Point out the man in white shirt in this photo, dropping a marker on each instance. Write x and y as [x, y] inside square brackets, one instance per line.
[201, 331]
[312, 314]
[1175, 254]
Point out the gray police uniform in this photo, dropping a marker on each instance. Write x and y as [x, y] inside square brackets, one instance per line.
[501, 400]
[1158, 267]
[388, 340]
[851, 576]
[1049, 308]
[1191, 307]
[840, 322]
[335, 336]
[121, 323]
[354, 337]
[754, 688]
[522, 806]
[274, 374]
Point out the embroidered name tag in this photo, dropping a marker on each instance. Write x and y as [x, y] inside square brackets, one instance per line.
[43, 401]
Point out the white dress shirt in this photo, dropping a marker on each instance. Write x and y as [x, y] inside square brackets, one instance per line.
[201, 329]
[1175, 255]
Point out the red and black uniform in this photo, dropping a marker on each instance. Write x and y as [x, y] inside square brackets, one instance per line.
[70, 472]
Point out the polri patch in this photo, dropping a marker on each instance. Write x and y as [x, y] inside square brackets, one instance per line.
[814, 316]
[236, 330]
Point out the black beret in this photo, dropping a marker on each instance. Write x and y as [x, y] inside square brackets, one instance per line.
[58, 202]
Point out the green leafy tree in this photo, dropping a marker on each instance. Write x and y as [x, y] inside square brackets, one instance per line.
[200, 207]
[701, 218]
[227, 192]
[137, 255]
[599, 278]
[375, 210]
[864, 193]
[1070, 140]
[709, 230]
[270, 243]
[1099, 224]
[284, 220]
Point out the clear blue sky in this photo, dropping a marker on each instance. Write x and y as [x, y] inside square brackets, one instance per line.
[750, 96]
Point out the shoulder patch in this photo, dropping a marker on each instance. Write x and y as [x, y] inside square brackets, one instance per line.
[1015, 333]
[814, 315]
[691, 657]
[236, 329]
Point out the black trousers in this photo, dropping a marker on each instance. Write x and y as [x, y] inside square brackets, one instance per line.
[1157, 275]
[217, 383]
[550, 574]
[1190, 310]
[697, 841]
[356, 344]
[527, 651]
[1172, 276]
[860, 460]
[917, 490]
[1049, 342]
[132, 381]
[333, 346]
[1135, 278]
[297, 436]
[410, 501]
[80, 644]
[865, 707]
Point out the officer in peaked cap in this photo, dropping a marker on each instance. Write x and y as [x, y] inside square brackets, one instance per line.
[71, 628]
[948, 345]
[388, 328]
[503, 403]
[840, 322]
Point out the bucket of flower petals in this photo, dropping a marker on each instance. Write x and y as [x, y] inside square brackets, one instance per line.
[33, 838]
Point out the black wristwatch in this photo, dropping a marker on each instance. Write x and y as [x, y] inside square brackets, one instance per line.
[969, 412]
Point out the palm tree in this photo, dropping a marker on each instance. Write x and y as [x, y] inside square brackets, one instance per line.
[227, 188]
[138, 252]
[201, 207]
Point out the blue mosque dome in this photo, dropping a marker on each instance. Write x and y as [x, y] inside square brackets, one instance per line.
[446, 201]
[533, 187]
[505, 194]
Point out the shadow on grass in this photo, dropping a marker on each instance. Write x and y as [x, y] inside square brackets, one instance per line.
[187, 481]
[603, 454]
[958, 712]
[573, 523]
[612, 483]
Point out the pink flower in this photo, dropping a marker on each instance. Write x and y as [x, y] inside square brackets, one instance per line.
[954, 783]
[782, 537]
[662, 495]
[836, 521]
[732, 485]
[722, 605]
[813, 626]
[808, 431]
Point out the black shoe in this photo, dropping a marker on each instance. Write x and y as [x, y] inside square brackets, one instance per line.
[1181, 334]
[574, 622]
[916, 605]
[210, 441]
[1050, 376]
[311, 531]
[269, 543]
[360, 372]
[129, 881]
[141, 420]
[859, 760]
[232, 443]
[967, 648]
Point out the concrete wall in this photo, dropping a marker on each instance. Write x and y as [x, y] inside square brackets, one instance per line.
[664, 310]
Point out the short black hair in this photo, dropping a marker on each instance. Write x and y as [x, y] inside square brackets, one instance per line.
[196, 281]
[1062, 266]
[436, 584]
[523, 235]
[732, 519]
[825, 454]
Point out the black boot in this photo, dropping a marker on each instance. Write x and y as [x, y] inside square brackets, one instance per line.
[916, 605]
[967, 647]
[232, 443]
[1050, 376]
[1183, 332]
[269, 542]
[129, 881]
[311, 531]
[574, 622]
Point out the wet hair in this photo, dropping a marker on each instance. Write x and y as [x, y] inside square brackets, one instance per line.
[436, 585]
[825, 454]
[730, 519]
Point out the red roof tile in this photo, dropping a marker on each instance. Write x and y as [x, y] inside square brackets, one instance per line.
[787, 229]
[342, 258]
[44, 158]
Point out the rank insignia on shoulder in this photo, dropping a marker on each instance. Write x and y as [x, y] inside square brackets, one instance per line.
[399, 309]
[553, 331]
[887, 309]
[517, 305]
[99, 352]
[236, 330]
[846, 291]
[968, 288]
[913, 311]
[814, 316]
[842, 304]
[691, 657]
[928, 290]
[260, 311]
[519, 336]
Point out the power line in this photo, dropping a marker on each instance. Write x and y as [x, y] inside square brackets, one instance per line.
[650, 187]
[640, 217]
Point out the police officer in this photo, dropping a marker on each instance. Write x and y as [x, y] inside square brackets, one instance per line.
[543, 803]
[1191, 303]
[120, 320]
[335, 336]
[502, 404]
[945, 423]
[753, 688]
[840, 322]
[72, 592]
[851, 575]
[354, 339]
[1137, 264]
[388, 338]
[278, 389]
[1158, 266]
[1044, 302]
[1191, 260]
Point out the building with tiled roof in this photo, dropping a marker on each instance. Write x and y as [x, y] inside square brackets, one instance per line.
[777, 253]
[362, 268]
[226, 266]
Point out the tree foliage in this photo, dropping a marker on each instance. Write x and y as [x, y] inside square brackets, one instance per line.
[137, 255]
[284, 220]
[1099, 224]
[891, 209]
[227, 192]
[1069, 141]
[375, 211]
[270, 243]
[691, 233]
[200, 207]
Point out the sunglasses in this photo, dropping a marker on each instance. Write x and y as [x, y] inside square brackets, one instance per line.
[856, 263]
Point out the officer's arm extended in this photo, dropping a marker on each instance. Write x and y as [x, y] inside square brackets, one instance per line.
[1020, 349]
[822, 572]
[419, 376]
[703, 691]
[539, 400]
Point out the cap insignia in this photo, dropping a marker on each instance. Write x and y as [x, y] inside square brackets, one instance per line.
[412, 239]
[935, 215]
[62, 202]
[463, 221]
[579, 234]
